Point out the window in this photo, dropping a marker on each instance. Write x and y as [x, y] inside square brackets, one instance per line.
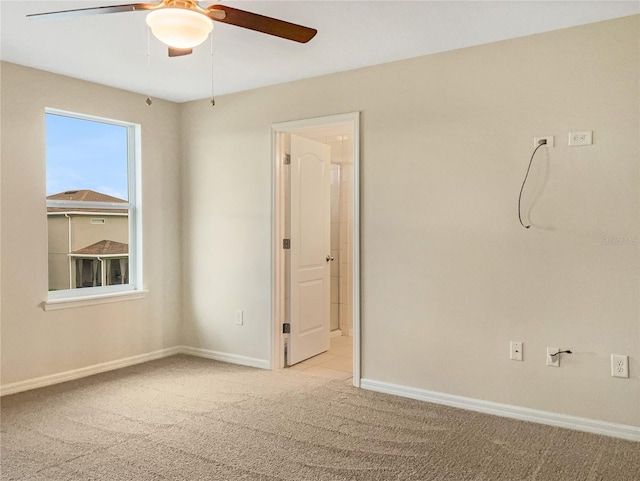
[92, 213]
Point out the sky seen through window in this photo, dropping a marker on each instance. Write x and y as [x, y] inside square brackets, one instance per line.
[85, 154]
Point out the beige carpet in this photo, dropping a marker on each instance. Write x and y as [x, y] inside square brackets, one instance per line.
[185, 418]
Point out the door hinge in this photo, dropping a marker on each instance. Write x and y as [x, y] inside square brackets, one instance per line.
[286, 328]
[287, 159]
[286, 243]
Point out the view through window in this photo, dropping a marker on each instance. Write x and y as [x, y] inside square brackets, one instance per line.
[90, 203]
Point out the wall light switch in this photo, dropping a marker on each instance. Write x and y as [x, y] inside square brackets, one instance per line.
[584, 137]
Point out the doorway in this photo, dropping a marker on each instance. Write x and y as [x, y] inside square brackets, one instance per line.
[341, 134]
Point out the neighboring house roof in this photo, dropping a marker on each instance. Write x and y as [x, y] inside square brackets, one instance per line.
[103, 248]
[85, 195]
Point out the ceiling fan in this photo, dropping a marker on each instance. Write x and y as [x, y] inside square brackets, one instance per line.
[184, 24]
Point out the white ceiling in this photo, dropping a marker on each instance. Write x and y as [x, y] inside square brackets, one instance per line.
[112, 49]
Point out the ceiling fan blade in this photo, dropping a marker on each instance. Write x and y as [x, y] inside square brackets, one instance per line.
[131, 7]
[179, 52]
[260, 23]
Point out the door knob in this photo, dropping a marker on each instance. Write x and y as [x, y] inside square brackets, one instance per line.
[329, 258]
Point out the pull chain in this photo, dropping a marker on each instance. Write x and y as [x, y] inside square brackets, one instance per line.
[148, 101]
[213, 101]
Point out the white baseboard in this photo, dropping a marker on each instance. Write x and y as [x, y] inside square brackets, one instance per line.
[85, 371]
[226, 357]
[622, 431]
[49, 380]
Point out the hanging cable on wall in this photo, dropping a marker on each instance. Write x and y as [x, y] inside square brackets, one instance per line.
[541, 142]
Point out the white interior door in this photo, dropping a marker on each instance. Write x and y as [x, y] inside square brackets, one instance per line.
[310, 249]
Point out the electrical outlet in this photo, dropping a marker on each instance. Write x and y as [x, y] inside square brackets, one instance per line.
[581, 138]
[553, 361]
[619, 365]
[548, 138]
[515, 350]
[239, 317]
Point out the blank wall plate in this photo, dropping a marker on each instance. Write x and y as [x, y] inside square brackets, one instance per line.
[515, 348]
[239, 317]
[584, 137]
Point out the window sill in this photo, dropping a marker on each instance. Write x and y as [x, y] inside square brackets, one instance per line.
[69, 302]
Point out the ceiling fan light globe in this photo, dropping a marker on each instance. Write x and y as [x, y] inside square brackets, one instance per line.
[178, 27]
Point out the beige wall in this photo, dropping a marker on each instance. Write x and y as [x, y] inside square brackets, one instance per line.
[38, 343]
[58, 250]
[449, 276]
[84, 233]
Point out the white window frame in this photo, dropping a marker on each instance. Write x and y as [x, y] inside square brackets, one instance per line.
[96, 295]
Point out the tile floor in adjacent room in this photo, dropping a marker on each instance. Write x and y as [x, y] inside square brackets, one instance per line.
[336, 363]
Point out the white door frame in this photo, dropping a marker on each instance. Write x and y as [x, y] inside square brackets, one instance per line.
[278, 188]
